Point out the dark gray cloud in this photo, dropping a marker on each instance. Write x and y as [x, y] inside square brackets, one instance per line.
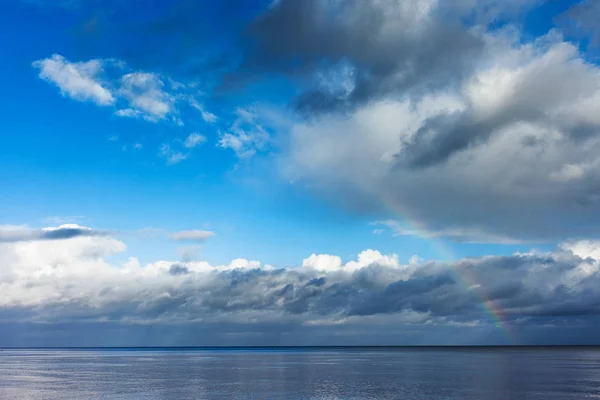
[177, 269]
[385, 47]
[442, 136]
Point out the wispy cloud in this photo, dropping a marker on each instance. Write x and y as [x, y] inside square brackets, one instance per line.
[246, 135]
[460, 235]
[207, 116]
[172, 156]
[62, 220]
[198, 236]
[12, 234]
[194, 140]
[190, 236]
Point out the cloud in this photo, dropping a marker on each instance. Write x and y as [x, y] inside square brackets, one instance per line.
[128, 112]
[142, 94]
[194, 140]
[58, 220]
[583, 248]
[80, 81]
[460, 235]
[508, 153]
[189, 253]
[581, 20]
[12, 234]
[192, 236]
[246, 136]
[71, 281]
[172, 156]
[146, 96]
[351, 52]
[207, 116]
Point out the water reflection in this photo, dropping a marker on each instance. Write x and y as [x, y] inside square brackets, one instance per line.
[294, 374]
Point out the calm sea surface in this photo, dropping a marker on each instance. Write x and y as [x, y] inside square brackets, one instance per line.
[487, 374]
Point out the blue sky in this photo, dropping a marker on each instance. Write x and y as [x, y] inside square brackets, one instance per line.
[63, 163]
[276, 131]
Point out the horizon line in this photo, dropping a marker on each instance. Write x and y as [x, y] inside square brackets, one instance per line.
[500, 346]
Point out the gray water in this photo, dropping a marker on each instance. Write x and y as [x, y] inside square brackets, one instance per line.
[465, 374]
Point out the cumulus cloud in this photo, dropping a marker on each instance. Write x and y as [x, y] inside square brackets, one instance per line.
[145, 94]
[507, 153]
[72, 280]
[78, 80]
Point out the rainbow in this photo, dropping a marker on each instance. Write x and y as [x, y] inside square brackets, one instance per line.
[494, 313]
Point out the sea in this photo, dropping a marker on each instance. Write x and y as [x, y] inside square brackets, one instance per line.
[301, 373]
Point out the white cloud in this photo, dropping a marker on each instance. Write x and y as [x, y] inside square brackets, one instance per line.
[583, 248]
[143, 92]
[414, 260]
[207, 116]
[70, 280]
[246, 136]
[194, 139]
[128, 112]
[146, 96]
[80, 81]
[172, 156]
[323, 262]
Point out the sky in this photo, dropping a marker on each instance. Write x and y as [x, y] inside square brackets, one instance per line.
[286, 172]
